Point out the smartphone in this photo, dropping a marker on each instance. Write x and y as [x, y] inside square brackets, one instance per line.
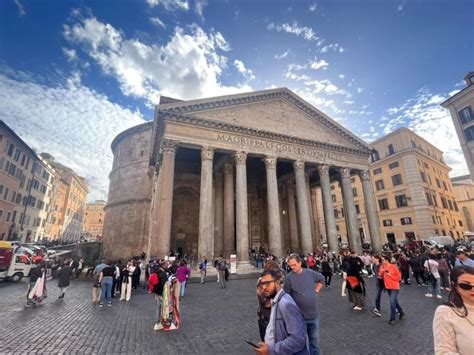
[252, 344]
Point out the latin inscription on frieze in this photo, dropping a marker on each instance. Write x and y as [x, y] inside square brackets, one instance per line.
[270, 147]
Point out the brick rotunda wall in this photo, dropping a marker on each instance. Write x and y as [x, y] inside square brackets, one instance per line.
[127, 213]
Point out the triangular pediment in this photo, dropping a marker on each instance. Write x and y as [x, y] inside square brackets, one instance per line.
[278, 111]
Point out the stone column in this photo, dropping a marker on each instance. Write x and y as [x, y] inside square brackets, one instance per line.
[292, 220]
[315, 216]
[310, 206]
[274, 223]
[351, 213]
[160, 236]
[303, 208]
[219, 216]
[206, 226]
[371, 212]
[328, 207]
[228, 209]
[242, 214]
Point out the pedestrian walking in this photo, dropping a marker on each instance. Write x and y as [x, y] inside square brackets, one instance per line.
[404, 268]
[96, 282]
[106, 281]
[117, 285]
[434, 280]
[183, 273]
[135, 271]
[326, 271]
[79, 268]
[345, 258]
[303, 285]
[222, 268]
[453, 323]
[355, 283]
[417, 269]
[443, 269]
[126, 274]
[379, 284]
[202, 268]
[391, 278]
[285, 333]
[37, 285]
[156, 284]
[64, 279]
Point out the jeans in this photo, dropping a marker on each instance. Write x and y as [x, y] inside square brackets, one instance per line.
[436, 287]
[158, 310]
[222, 278]
[106, 288]
[394, 306]
[419, 275]
[182, 288]
[378, 295]
[312, 329]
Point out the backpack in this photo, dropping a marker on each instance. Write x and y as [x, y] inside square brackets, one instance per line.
[201, 266]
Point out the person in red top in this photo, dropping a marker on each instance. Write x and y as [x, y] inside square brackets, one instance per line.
[310, 261]
[391, 278]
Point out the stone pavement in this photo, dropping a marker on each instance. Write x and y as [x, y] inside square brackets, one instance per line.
[214, 321]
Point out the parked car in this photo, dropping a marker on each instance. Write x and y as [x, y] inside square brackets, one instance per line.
[13, 266]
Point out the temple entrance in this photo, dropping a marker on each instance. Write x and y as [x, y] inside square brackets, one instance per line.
[185, 222]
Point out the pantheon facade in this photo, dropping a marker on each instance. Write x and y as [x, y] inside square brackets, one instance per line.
[223, 175]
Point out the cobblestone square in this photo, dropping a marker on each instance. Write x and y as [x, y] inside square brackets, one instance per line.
[214, 321]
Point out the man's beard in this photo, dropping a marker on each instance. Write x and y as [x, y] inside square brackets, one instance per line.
[272, 294]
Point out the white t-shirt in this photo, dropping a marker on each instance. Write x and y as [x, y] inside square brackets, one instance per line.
[432, 266]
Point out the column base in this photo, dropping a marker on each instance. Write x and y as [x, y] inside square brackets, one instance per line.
[245, 267]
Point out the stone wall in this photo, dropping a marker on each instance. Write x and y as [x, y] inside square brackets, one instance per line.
[127, 213]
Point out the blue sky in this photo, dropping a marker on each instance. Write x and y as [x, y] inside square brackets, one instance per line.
[73, 74]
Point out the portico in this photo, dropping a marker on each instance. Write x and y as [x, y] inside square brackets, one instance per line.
[249, 162]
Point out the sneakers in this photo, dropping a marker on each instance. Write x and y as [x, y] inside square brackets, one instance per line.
[343, 294]
[402, 315]
[357, 308]
[439, 296]
[377, 312]
[109, 304]
[101, 305]
[428, 295]
[391, 321]
[158, 326]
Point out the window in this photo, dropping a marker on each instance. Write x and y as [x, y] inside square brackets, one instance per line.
[1, 214]
[434, 220]
[397, 180]
[429, 198]
[413, 144]
[429, 179]
[333, 198]
[17, 155]
[1, 189]
[333, 187]
[455, 206]
[14, 216]
[391, 150]
[401, 201]
[383, 204]
[387, 223]
[423, 176]
[469, 133]
[43, 189]
[377, 171]
[336, 213]
[426, 165]
[393, 165]
[405, 220]
[375, 156]
[465, 115]
[460, 223]
[438, 219]
[32, 201]
[450, 204]
[5, 194]
[445, 186]
[8, 217]
[13, 196]
[356, 206]
[354, 192]
[443, 202]
[438, 183]
[10, 150]
[379, 185]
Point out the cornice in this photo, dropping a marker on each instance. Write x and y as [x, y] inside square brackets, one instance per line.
[282, 93]
[131, 131]
[232, 128]
[126, 202]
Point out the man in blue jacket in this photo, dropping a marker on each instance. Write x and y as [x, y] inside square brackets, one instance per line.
[285, 332]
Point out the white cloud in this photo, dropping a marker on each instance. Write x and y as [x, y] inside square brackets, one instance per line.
[313, 7]
[427, 118]
[283, 55]
[359, 90]
[401, 6]
[348, 102]
[199, 7]
[170, 5]
[70, 54]
[318, 64]
[156, 21]
[21, 8]
[247, 73]
[300, 31]
[341, 76]
[187, 67]
[336, 47]
[72, 122]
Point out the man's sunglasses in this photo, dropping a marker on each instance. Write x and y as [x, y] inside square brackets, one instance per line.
[466, 287]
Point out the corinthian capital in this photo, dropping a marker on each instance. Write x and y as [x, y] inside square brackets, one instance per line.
[364, 175]
[240, 158]
[168, 146]
[228, 168]
[270, 162]
[345, 173]
[207, 153]
[298, 165]
[323, 169]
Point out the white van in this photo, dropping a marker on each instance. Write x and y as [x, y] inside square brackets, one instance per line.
[441, 240]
